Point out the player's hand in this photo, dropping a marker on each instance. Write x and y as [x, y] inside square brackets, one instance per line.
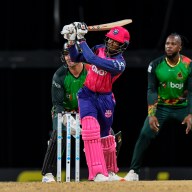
[154, 124]
[81, 29]
[188, 121]
[72, 125]
[69, 32]
[68, 29]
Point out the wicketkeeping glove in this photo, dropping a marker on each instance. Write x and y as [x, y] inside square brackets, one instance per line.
[69, 32]
[72, 124]
[81, 29]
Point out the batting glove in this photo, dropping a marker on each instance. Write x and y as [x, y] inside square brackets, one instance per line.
[81, 29]
[69, 32]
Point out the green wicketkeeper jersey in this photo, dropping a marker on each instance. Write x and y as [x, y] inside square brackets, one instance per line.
[169, 86]
[72, 85]
[64, 90]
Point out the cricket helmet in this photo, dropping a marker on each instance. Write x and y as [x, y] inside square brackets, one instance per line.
[119, 34]
[65, 51]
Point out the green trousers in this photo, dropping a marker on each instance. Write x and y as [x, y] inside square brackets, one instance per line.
[163, 115]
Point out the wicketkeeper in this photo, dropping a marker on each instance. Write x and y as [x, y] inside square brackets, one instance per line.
[67, 80]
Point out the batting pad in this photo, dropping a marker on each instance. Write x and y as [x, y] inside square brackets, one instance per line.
[93, 149]
[109, 150]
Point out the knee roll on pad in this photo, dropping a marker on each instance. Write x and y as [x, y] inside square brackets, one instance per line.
[90, 128]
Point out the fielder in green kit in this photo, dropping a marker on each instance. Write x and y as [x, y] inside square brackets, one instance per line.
[66, 82]
[169, 97]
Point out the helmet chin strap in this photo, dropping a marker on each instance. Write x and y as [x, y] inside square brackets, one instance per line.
[110, 53]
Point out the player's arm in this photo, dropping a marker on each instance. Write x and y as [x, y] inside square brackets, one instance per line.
[188, 118]
[152, 97]
[114, 66]
[152, 91]
[76, 54]
[189, 88]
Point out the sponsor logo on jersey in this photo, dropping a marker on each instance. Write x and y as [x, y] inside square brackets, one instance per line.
[118, 64]
[176, 85]
[108, 113]
[69, 96]
[164, 85]
[180, 75]
[99, 71]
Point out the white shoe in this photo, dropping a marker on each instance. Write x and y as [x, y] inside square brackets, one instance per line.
[48, 178]
[131, 176]
[115, 177]
[100, 178]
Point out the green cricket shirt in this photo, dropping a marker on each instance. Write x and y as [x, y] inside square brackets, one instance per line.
[169, 86]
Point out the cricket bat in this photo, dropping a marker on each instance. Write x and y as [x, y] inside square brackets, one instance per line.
[108, 26]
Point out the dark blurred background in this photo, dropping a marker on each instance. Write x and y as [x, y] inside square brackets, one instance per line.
[30, 45]
[32, 25]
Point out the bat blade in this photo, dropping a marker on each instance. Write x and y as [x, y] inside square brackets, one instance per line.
[108, 26]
